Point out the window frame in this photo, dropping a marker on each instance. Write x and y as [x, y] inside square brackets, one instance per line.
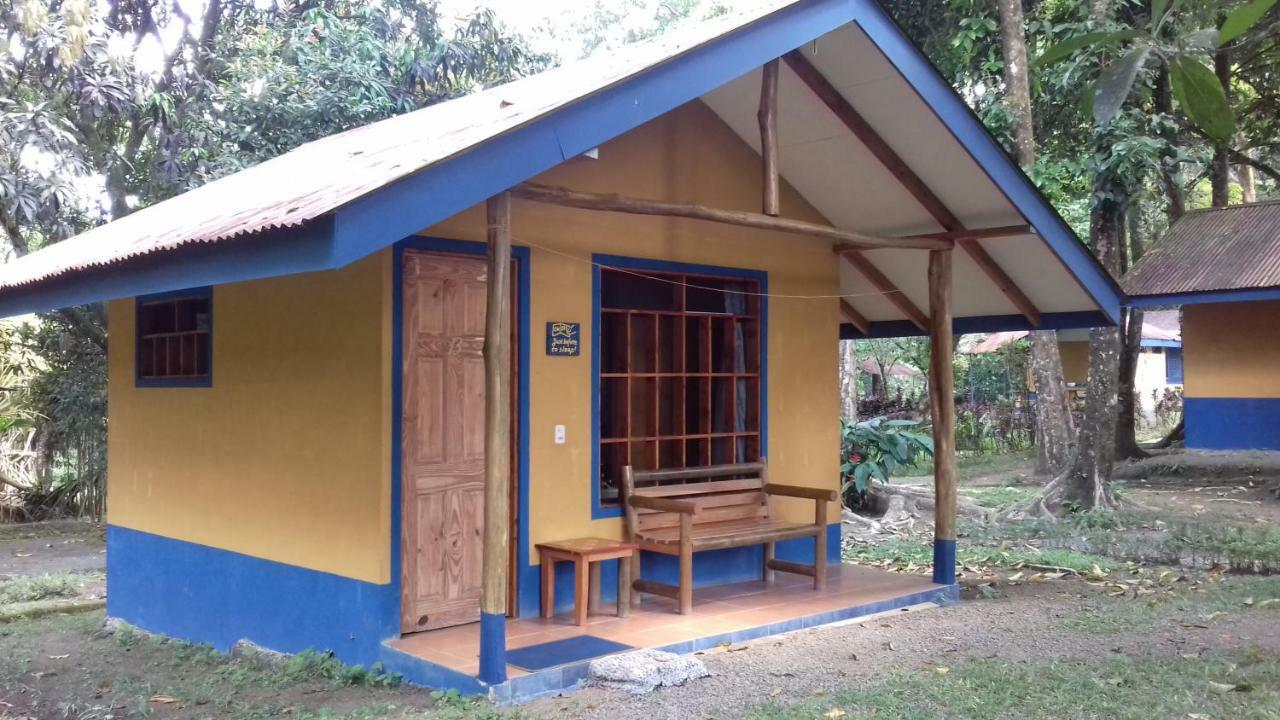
[600, 510]
[203, 381]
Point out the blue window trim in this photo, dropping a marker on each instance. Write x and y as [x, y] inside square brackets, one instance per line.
[599, 511]
[1162, 343]
[141, 382]
[525, 575]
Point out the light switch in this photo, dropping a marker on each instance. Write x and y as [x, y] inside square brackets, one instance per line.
[559, 434]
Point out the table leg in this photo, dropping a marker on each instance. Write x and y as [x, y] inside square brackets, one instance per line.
[594, 572]
[580, 584]
[624, 587]
[548, 585]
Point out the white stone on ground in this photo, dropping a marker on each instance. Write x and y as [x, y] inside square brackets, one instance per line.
[643, 671]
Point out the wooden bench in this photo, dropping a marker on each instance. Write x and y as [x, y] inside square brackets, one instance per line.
[680, 512]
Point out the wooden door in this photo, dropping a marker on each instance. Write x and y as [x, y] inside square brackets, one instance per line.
[443, 439]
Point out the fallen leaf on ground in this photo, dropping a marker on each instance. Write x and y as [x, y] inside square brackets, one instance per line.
[834, 713]
[942, 670]
[59, 657]
[163, 699]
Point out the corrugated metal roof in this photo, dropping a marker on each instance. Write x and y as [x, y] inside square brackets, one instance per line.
[1232, 248]
[321, 176]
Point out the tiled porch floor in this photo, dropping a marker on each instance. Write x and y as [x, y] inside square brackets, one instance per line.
[717, 611]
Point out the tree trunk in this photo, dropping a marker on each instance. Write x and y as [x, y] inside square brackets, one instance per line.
[1127, 419]
[1087, 484]
[1130, 352]
[1169, 169]
[1054, 430]
[1248, 188]
[848, 381]
[1013, 48]
[1220, 169]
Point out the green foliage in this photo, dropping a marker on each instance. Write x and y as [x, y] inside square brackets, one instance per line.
[876, 448]
[313, 665]
[1243, 18]
[1202, 96]
[916, 553]
[39, 587]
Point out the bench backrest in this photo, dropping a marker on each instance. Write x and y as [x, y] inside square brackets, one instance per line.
[721, 492]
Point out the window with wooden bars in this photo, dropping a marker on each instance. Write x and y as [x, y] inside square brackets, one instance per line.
[680, 372]
[174, 340]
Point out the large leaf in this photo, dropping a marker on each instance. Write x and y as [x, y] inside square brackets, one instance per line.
[1079, 42]
[1157, 11]
[1243, 18]
[1202, 98]
[1116, 82]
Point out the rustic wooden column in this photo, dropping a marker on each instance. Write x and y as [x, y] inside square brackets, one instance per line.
[768, 117]
[942, 407]
[497, 444]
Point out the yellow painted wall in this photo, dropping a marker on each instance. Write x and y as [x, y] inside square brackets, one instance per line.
[1231, 350]
[687, 155]
[287, 456]
[1075, 361]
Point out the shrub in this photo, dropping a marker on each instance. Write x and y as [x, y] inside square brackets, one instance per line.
[876, 448]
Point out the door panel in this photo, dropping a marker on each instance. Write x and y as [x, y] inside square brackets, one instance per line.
[443, 439]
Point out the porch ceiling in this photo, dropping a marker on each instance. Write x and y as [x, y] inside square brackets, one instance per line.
[836, 172]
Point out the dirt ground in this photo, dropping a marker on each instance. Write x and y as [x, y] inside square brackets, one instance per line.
[61, 546]
[1013, 620]
[1024, 624]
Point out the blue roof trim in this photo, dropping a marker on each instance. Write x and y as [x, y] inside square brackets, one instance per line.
[1003, 171]
[1162, 343]
[397, 210]
[985, 324]
[281, 252]
[1205, 298]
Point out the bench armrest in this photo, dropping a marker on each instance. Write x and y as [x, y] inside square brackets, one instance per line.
[809, 493]
[660, 504]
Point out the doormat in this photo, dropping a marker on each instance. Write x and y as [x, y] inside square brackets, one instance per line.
[559, 652]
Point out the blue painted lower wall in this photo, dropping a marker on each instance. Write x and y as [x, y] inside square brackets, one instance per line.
[1232, 423]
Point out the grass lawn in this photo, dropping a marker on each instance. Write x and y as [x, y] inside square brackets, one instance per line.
[65, 666]
[1244, 684]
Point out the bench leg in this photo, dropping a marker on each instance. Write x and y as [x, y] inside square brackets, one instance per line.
[767, 573]
[580, 590]
[686, 578]
[634, 562]
[820, 559]
[548, 586]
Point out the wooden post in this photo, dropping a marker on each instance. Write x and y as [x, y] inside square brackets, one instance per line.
[497, 444]
[942, 408]
[768, 117]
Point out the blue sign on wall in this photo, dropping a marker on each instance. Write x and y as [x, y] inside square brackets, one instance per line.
[564, 338]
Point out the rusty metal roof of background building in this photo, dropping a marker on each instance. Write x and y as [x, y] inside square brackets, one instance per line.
[318, 177]
[1232, 248]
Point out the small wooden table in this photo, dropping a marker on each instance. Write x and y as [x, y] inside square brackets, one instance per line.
[586, 554]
